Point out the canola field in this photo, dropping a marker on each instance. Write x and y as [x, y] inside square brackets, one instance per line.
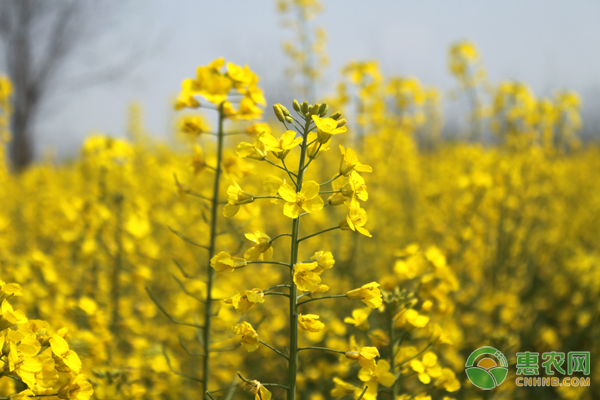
[344, 249]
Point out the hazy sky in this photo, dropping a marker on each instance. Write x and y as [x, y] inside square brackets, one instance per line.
[549, 44]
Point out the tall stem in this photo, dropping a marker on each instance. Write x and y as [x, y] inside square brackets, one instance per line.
[392, 334]
[293, 363]
[211, 252]
[116, 275]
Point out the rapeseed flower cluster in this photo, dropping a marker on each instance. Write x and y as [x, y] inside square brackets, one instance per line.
[151, 270]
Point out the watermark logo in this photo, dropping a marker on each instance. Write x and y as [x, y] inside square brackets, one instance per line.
[487, 368]
[489, 372]
[553, 364]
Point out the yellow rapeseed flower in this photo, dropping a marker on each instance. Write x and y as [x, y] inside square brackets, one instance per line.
[369, 294]
[359, 318]
[250, 339]
[324, 260]
[260, 392]
[224, 262]
[192, 125]
[365, 356]
[244, 300]
[327, 127]
[310, 322]
[307, 199]
[411, 319]
[236, 197]
[305, 276]
[356, 219]
[61, 350]
[262, 250]
[78, 388]
[282, 146]
[350, 162]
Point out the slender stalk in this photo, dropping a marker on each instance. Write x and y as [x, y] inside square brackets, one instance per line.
[280, 167]
[269, 262]
[276, 286]
[331, 180]
[336, 296]
[290, 174]
[274, 349]
[277, 294]
[389, 311]
[116, 275]
[318, 233]
[322, 348]
[267, 197]
[211, 252]
[293, 358]
[278, 236]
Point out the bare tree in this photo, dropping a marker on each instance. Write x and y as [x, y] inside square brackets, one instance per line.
[39, 37]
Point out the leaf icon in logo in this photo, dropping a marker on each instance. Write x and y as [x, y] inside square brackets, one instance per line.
[481, 378]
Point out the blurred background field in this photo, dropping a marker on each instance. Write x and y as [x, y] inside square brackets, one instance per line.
[480, 122]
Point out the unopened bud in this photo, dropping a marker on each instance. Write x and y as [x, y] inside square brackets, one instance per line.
[296, 105]
[323, 110]
[288, 119]
[336, 115]
[336, 199]
[426, 306]
[341, 122]
[315, 109]
[284, 110]
[278, 112]
[304, 107]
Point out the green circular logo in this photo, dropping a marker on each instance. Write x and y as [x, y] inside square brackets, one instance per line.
[487, 374]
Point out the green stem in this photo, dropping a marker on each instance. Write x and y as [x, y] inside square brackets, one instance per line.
[268, 262]
[280, 167]
[318, 233]
[322, 348]
[293, 359]
[116, 275]
[392, 332]
[275, 287]
[313, 157]
[274, 349]
[268, 197]
[331, 180]
[290, 174]
[278, 236]
[415, 356]
[277, 294]
[211, 253]
[335, 296]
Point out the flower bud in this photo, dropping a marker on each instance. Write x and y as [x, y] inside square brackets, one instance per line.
[315, 109]
[278, 112]
[285, 110]
[347, 190]
[296, 105]
[323, 137]
[304, 107]
[336, 115]
[341, 122]
[336, 199]
[426, 306]
[323, 110]
[288, 119]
